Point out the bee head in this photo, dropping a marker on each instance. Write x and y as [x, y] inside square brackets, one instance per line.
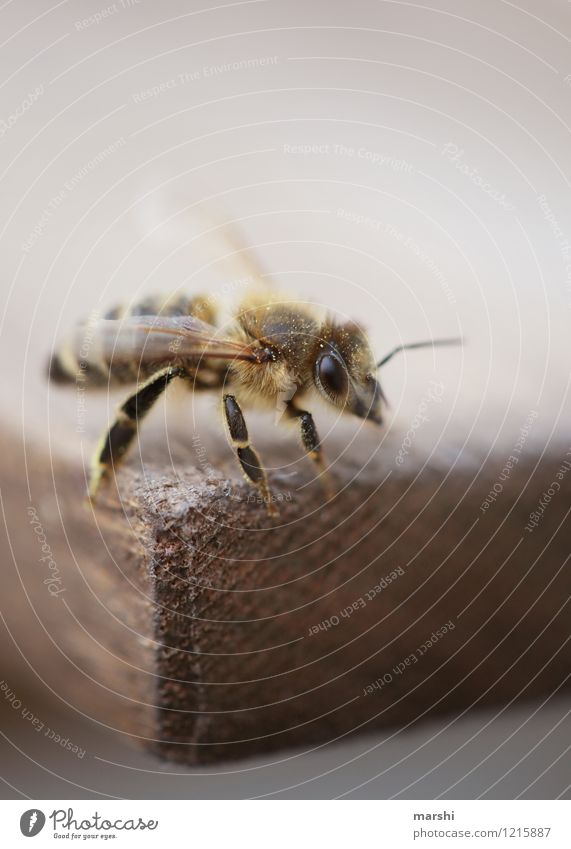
[344, 370]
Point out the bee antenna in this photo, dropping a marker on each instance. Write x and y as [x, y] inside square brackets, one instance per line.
[432, 343]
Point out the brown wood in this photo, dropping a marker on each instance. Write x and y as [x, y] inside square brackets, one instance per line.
[198, 626]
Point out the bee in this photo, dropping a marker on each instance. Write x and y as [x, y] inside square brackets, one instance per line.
[275, 351]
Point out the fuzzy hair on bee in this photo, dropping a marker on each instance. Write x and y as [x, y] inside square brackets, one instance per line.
[275, 351]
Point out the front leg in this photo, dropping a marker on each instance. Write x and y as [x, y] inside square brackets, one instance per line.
[311, 443]
[249, 460]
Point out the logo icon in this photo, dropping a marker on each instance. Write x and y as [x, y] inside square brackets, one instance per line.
[32, 822]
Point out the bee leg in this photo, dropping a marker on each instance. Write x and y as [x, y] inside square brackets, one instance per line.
[248, 457]
[120, 435]
[310, 441]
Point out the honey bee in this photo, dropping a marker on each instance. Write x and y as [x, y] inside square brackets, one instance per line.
[275, 352]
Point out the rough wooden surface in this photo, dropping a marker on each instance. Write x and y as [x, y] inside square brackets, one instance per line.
[206, 631]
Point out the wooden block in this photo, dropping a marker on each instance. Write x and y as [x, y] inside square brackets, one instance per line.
[187, 619]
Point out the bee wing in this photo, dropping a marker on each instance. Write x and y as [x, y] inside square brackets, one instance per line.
[218, 241]
[158, 339]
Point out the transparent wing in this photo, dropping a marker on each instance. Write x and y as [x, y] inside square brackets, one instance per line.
[219, 245]
[157, 339]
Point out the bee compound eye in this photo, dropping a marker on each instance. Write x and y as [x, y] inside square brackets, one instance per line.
[332, 375]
